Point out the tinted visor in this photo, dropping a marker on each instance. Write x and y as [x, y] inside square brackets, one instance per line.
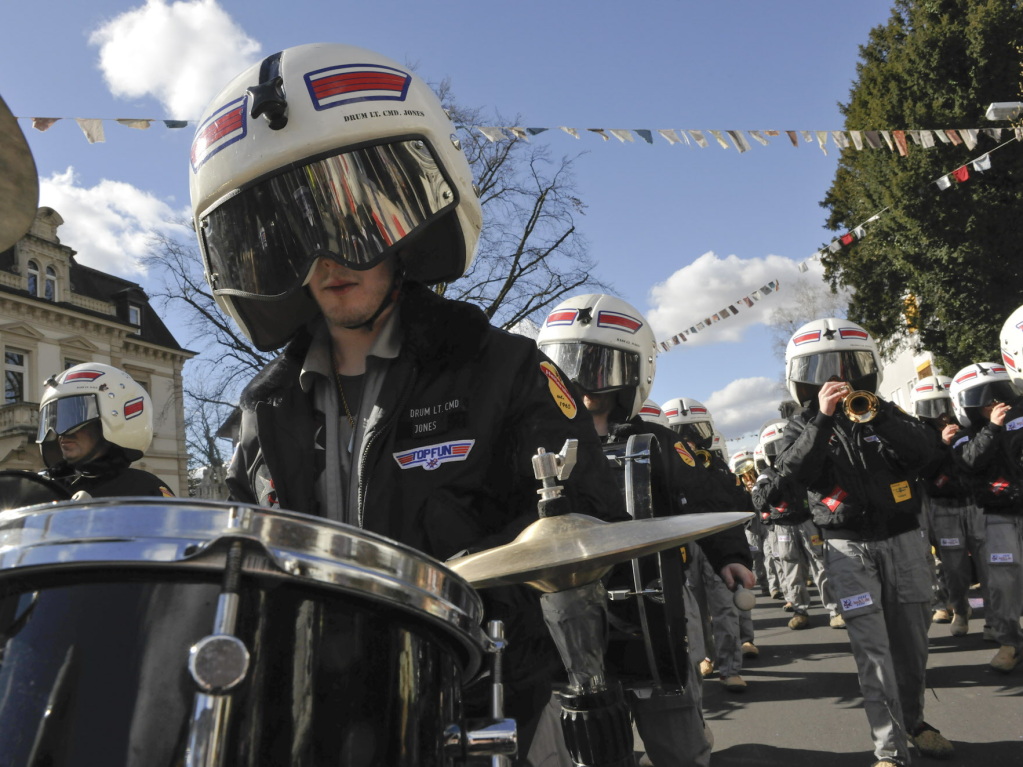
[933, 408]
[696, 431]
[771, 449]
[989, 393]
[847, 366]
[352, 207]
[62, 415]
[595, 368]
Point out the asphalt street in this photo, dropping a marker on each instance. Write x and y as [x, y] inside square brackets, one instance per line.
[803, 706]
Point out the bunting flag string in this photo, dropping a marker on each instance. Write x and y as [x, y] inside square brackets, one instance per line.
[745, 302]
[958, 176]
[899, 141]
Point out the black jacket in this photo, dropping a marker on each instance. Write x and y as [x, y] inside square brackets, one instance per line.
[990, 456]
[861, 478]
[780, 500]
[479, 399]
[943, 477]
[109, 476]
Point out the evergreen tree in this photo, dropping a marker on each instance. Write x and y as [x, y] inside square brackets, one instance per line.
[954, 253]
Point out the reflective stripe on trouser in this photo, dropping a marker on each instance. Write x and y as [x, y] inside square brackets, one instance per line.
[957, 530]
[793, 568]
[672, 726]
[1005, 577]
[771, 562]
[883, 589]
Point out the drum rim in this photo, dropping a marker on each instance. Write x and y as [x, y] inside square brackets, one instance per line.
[43, 537]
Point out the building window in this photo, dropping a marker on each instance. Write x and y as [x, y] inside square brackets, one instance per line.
[50, 288]
[15, 375]
[70, 363]
[135, 315]
[33, 278]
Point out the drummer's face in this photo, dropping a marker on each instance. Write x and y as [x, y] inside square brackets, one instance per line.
[78, 444]
[599, 403]
[348, 297]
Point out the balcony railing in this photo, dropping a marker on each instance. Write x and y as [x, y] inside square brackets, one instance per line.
[19, 418]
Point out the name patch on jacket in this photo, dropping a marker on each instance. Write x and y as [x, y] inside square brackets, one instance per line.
[434, 419]
[1001, 559]
[430, 457]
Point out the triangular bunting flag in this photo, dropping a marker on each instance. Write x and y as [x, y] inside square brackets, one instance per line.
[622, 135]
[961, 174]
[43, 123]
[92, 128]
[982, 163]
[570, 131]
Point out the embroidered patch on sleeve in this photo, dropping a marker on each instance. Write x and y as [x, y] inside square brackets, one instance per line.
[860, 600]
[685, 455]
[1001, 559]
[430, 457]
[562, 396]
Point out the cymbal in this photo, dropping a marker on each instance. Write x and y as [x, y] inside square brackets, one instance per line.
[19, 181]
[557, 553]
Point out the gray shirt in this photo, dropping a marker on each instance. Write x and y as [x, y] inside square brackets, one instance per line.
[337, 488]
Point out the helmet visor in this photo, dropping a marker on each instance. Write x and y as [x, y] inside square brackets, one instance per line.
[595, 368]
[352, 207]
[60, 416]
[988, 394]
[848, 366]
[695, 430]
[772, 448]
[933, 408]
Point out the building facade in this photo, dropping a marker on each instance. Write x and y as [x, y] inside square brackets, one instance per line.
[56, 313]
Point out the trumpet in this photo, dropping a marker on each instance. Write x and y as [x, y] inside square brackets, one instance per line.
[747, 472]
[704, 456]
[860, 406]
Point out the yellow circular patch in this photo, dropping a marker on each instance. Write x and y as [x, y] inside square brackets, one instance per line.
[562, 396]
[684, 454]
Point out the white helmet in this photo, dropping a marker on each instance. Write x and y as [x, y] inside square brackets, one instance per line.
[740, 460]
[692, 420]
[90, 392]
[604, 345]
[771, 435]
[1012, 346]
[931, 400]
[830, 349]
[760, 458]
[978, 385]
[718, 443]
[329, 151]
[652, 412]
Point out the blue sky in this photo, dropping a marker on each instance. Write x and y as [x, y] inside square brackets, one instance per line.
[679, 231]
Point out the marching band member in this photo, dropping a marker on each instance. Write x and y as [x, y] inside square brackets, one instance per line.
[328, 191]
[860, 472]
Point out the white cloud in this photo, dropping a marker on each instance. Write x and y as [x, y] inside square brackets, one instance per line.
[745, 404]
[110, 224]
[711, 283]
[180, 53]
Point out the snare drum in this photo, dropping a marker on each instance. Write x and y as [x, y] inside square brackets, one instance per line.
[346, 648]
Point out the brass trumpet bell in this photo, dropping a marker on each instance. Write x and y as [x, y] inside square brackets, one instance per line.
[747, 473]
[860, 406]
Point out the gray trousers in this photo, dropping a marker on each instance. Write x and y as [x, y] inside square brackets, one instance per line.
[1005, 577]
[957, 532]
[771, 562]
[723, 616]
[883, 590]
[671, 726]
[802, 552]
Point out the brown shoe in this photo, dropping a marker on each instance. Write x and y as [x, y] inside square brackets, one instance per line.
[1005, 660]
[734, 683]
[706, 667]
[941, 615]
[799, 621]
[750, 650]
[788, 607]
[837, 622]
[930, 742]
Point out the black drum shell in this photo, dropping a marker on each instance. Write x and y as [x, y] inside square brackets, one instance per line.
[94, 671]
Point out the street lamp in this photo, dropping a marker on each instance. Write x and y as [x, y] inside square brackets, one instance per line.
[1004, 110]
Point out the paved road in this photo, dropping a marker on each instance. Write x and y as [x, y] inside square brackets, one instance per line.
[803, 706]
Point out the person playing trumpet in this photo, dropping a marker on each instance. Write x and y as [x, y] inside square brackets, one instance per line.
[860, 473]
